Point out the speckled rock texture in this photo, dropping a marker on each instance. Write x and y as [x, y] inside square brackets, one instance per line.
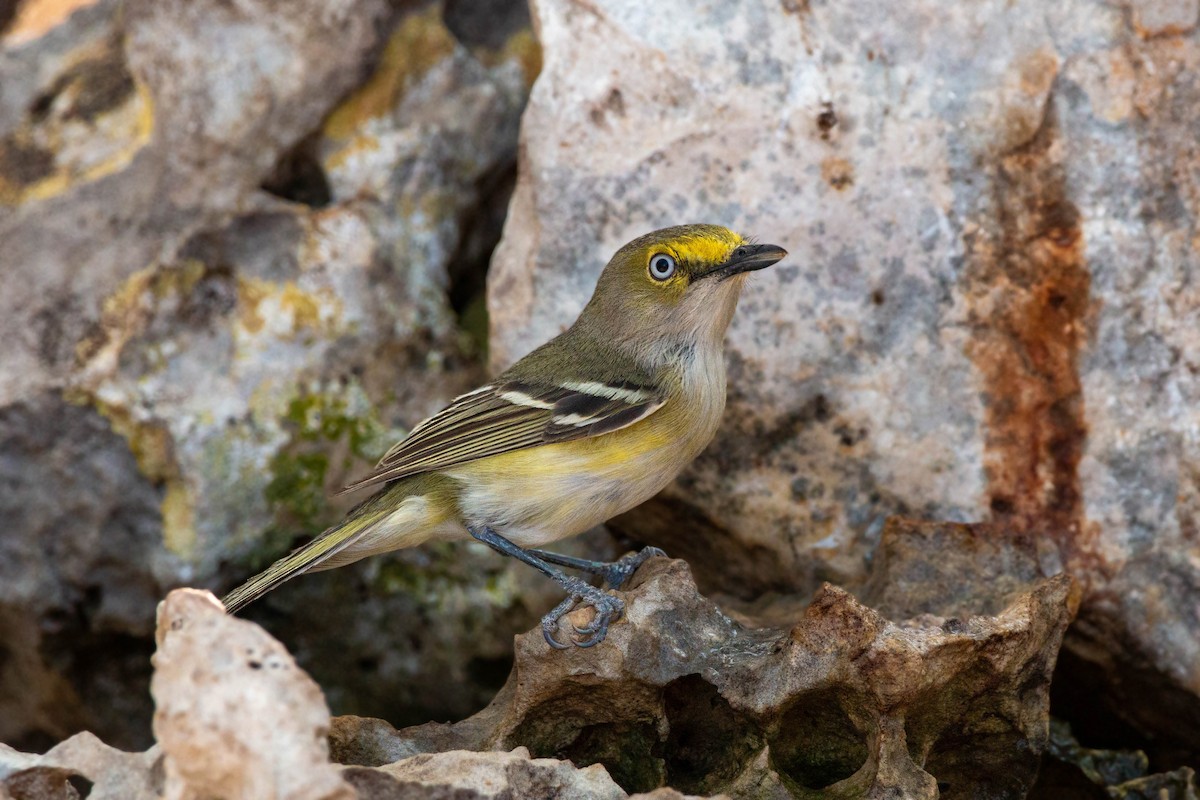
[990, 310]
[241, 243]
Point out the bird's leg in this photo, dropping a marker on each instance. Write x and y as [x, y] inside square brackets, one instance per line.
[608, 608]
[614, 573]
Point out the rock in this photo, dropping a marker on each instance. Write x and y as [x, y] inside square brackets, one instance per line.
[989, 312]
[1070, 770]
[234, 716]
[843, 702]
[81, 762]
[483, 775]
[237, 718]
[237, 242]
[944, 567]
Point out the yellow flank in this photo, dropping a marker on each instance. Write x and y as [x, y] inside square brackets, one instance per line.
[545, 493]
[598, 453]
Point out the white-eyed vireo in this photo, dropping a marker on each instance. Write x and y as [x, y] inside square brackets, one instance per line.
[587, 426]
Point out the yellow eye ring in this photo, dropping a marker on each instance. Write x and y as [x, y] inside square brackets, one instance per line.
[662, 266]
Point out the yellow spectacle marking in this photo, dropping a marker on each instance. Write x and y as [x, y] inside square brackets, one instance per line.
[711, 249]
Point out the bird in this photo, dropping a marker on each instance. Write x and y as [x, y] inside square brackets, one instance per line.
[583, 428]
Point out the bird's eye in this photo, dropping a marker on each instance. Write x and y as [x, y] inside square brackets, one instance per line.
[662, 266]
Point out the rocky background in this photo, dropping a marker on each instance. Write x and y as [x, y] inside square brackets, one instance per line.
[245, 245]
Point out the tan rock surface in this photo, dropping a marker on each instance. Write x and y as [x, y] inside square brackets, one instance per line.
[237, 719]
[234, 716]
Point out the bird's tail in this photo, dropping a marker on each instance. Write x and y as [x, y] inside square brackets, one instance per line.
[305, 558]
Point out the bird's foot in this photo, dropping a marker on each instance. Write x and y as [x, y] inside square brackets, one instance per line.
[608, 610]
[619, 571]
[614, 573]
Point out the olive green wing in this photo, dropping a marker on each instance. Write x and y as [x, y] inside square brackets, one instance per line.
[513, 414]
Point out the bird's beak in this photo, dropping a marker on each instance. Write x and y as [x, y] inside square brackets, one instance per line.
[747, 258]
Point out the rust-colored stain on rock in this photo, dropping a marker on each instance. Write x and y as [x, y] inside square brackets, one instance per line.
[1028, 289]
[837, 172]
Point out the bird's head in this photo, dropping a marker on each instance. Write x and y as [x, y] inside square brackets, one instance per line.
[678, 283]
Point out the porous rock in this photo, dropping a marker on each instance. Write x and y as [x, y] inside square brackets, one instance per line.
[842, 703]
[236, 236]
[990, 308]
[237, 718]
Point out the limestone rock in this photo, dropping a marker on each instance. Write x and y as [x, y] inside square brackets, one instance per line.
[1070, 770]
[990, 311]
[83, 761]
[839, 702]
[842, 703]
[237, 718]
[236, 241]
[234, 716]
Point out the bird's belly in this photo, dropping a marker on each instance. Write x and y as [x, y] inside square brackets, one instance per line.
[546, 493]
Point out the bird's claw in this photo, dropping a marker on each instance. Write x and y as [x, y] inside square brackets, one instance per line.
[607, 607]
[620, 570]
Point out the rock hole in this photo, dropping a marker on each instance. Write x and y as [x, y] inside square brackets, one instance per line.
[877, 297]
[820, 407]
[816, 743]
[39, 109]
[45, 783]
[490, 673]
[591, 723]
[481, 226]
[708, 743]
[254, 664]
[1081, 693]
[973, 740]
[81, 785]
[827, 120]
[214, 296]
[489, 25]
[626, 751]
[299, 177]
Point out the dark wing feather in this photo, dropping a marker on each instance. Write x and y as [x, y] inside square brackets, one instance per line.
[513, 415]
